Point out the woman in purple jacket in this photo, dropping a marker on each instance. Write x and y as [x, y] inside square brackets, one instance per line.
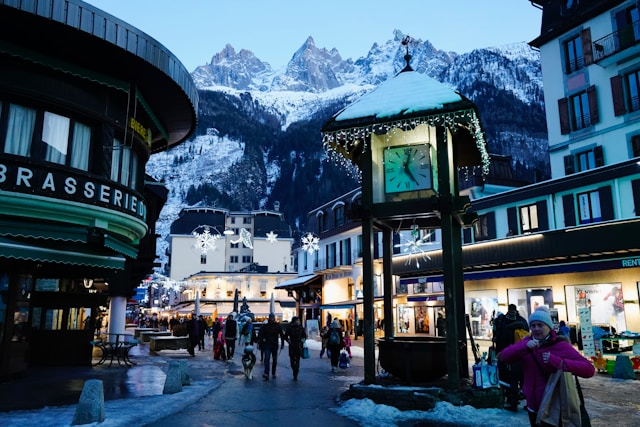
[542, 354]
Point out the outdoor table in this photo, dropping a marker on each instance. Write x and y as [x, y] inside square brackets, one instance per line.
[116, 346]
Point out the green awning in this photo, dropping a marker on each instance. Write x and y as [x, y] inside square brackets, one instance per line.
[42, 230]
[119, 246]
[61, 254]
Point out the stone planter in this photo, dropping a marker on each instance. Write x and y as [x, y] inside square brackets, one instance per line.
[415, 359]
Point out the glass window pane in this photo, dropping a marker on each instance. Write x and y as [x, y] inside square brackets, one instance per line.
[81, 146]
[533, 212]
[55, 134]
[19, 130]
[115, 160]
[125, 171]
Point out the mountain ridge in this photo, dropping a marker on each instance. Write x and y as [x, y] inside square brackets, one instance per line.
[274, 118]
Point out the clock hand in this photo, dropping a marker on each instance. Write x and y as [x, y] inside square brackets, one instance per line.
[408, 171]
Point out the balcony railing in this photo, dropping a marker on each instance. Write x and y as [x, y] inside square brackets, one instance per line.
[616, 42]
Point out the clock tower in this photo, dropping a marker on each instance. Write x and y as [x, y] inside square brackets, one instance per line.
[405, 140]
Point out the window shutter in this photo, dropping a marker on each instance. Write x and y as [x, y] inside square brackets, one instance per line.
[491, 225]
[512, 221]
[617, 93]
[598, 155]
[543, 216]
[569, 210]
[563, 111]
[593, 104]
[635, 189]
[606, 203]
[587, 51]
[569, 166]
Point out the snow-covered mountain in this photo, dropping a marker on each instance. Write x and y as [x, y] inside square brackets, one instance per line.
[258, 138]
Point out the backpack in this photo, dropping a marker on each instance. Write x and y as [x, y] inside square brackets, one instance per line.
[519, 334]
[334, 337]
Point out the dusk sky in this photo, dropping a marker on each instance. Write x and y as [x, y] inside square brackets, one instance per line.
[195, 30]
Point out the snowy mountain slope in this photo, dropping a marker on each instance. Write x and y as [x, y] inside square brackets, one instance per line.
[276, 163]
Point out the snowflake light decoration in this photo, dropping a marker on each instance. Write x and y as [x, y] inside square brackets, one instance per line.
[310, 243]
[272, 237]
[205, 241]
[413, 247]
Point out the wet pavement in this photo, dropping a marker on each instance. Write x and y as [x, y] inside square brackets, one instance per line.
[226, 398]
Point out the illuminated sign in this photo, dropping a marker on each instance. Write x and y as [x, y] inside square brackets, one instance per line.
[65, 184]
[145, 133]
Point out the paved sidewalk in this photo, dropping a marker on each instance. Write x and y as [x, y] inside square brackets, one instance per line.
[221, 396]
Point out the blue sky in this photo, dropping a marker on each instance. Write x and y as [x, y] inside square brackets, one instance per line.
[195, 30]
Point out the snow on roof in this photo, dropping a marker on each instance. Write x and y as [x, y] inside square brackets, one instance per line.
[408, 92]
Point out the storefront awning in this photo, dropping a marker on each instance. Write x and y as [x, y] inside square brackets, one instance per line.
[300, 281]
[346, 304]
[121, 247]
[23, 250]
[43, 230]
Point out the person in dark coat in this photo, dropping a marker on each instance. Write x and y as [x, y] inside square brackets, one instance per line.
[333, 346]
[194, 334]
[268, 341]
[230, 334]
[202, 330]
[510, 373]
[296, 337]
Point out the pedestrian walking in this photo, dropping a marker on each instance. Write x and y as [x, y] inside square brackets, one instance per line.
[268, 338]
[504, 335]
[542, 354]
[295, 336]
[202, 331]
[324, 338]
[194, 334]
[230, 335]
[335, 344]
[346, 341]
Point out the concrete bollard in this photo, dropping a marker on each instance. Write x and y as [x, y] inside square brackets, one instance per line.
[184, 369]
[90, 408]
[173, 382]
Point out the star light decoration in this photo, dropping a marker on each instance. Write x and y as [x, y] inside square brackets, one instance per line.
[413, 247]
[205, 241]
[272, 237]
[310, 243]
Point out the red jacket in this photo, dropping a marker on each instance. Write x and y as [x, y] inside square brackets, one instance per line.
[537, 373]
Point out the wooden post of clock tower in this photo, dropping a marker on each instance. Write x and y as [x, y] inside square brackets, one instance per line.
[457, 363]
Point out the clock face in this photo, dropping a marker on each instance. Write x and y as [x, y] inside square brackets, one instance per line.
[407, 168]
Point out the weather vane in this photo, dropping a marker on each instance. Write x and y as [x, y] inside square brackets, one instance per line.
[405, 42]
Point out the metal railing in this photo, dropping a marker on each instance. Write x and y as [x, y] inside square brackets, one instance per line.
[616, 42]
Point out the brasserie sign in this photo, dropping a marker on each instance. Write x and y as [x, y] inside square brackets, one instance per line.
[65, 184]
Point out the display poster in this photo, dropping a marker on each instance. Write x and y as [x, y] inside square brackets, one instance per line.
[605, 302]
[312, 328]
[586, 330]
